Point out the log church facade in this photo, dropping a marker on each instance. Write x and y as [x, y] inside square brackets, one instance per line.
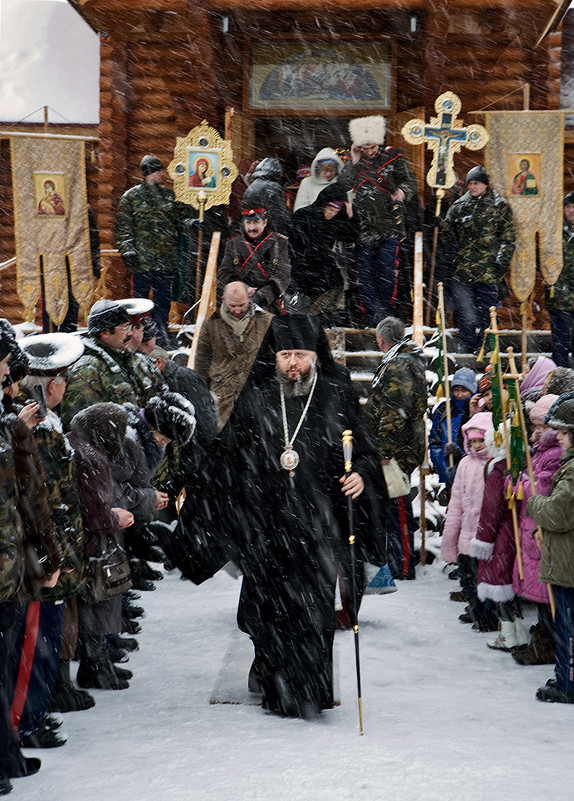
[166, 65]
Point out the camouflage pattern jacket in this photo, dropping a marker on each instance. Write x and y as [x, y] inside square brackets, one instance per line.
[11, 530]
[373, 183]
[397, 403]
[482, 231]
[148, 223]
[561, 296]
[64, 501]
[105, 374]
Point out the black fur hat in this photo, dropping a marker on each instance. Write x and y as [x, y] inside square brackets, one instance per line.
[478, 174]
[150, 164]
[172, 415]
[7, 338]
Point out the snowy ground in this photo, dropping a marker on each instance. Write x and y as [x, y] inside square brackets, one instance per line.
[444, 716]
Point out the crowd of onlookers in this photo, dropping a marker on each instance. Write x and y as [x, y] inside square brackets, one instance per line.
[508, 524]
[93, 463]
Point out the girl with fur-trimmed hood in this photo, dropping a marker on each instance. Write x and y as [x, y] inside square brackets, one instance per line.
[495, 548]
[465, 502]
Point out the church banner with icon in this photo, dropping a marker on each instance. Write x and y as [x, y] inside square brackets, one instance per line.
[51, 224]
[525, 162]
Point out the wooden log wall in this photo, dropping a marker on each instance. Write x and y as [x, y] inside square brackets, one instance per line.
[154, 87]
[162, 73]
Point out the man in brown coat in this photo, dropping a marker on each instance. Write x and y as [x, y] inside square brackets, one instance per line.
[259, 257]
[227, 345]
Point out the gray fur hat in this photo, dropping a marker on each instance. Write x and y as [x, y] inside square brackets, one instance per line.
[561, 414]
[562, 381]
[52, 354]
[105, 315]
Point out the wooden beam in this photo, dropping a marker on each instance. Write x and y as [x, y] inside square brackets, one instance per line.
[379, 5]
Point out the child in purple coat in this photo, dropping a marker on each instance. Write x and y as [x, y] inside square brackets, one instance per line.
[495, 548]
[546, 459]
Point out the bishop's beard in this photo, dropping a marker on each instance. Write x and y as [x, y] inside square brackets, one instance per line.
[296, 387]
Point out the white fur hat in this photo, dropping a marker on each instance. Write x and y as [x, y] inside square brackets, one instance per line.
[368, 130]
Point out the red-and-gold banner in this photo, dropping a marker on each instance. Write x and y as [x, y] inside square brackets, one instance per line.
[51, 224]
[525, 163]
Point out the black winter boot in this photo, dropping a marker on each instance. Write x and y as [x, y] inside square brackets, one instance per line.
[66, 696]
[23, 766]
[5, 786]
[96, 669]
[127, 643]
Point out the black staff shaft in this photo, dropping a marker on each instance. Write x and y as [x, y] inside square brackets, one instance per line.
[347, 450]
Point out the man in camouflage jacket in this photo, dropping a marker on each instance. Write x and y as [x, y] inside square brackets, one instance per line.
[148, 225]
[108, 371]
[395, 407]
[480, 227]
[381, 182]
[559, 300]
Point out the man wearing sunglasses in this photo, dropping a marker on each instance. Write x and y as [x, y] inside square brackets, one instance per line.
[108, 371]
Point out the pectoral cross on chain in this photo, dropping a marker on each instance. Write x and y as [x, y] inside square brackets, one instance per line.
[445, 135]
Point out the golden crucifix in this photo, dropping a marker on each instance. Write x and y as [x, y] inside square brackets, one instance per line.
[445, 135]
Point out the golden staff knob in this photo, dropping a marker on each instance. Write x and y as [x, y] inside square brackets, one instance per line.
[348, 450]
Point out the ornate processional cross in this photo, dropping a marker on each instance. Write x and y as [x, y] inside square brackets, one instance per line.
[445, 135]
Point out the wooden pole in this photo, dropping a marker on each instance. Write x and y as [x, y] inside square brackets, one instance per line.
[423, 473]
[207, 304]
[418, 290]
[445, 372]
[202, 197]
[524, 338]
[439, 197]
[506, 438]
[418, 338]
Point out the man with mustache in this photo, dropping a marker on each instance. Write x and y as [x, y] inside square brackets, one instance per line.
[108, 371]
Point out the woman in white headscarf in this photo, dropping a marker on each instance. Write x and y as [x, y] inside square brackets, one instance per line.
[325, 168]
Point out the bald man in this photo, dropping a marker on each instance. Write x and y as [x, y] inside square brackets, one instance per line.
[227, 345]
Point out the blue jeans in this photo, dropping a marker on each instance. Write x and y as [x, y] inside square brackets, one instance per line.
[473, 302]
[377, 276]
[564, 637]
[562, 325]
[142, 283]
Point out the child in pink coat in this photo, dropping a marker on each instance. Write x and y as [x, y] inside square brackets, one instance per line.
[465, 502]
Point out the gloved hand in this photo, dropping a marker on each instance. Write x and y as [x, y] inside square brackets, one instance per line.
[449, 448]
